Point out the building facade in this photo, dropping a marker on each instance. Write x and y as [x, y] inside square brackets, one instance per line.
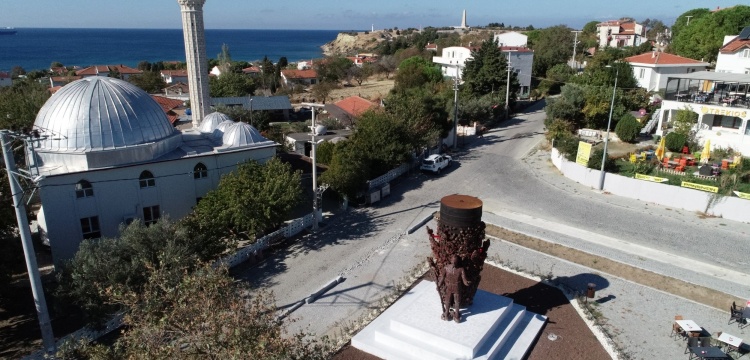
[734, 55]
[620, 33]
[109, 155]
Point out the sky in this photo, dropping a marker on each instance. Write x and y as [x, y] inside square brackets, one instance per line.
[338, 14]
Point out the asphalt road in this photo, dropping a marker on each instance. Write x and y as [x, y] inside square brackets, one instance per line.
[370, 249]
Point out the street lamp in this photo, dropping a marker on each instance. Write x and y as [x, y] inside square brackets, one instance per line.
[455, 107]
[609, 122]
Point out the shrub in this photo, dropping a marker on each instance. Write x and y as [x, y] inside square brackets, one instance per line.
[559, 128]
[628, 128]
[675, 141]
[595, 161]
[568, 146]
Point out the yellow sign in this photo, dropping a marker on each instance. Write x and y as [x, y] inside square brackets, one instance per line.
[700, 187]
[723, 111]
[742, 195]
[651, 178]
[584, 152]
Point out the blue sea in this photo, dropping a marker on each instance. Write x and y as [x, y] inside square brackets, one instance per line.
[35, 49]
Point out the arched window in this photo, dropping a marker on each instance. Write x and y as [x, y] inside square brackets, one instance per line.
[147, 179]
[84, 189]
[200, 171]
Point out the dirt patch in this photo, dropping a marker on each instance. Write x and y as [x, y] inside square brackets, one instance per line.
[373, 89]
[572, 334]
[697, 293]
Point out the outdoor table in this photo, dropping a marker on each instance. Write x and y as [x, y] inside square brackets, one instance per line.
[673, 163]
[732, 341]
[708, 352]
[688, 326]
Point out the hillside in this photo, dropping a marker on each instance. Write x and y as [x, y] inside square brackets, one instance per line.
[348, 44]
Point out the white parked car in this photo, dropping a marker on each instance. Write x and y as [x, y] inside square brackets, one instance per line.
[435, 163]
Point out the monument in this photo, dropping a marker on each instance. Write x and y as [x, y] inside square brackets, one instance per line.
[193, 33]
[483, 326]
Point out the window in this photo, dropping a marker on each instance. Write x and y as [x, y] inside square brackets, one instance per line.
[200, 171]
[729, 122]
[642, 74]
[745, 53]
[84, 189]
[147, 179]
[151, 214]
[90, 228]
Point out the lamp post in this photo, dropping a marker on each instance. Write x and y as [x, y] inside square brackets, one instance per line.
[317, 190]
[609, 122]
[455, 108]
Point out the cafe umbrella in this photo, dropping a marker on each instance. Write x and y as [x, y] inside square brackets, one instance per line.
[706, 152]
[660, 150]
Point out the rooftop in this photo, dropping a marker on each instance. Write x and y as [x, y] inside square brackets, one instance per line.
[662, 58]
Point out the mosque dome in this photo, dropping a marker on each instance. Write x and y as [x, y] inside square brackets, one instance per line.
[222, 127]
[242, 134]
[212, 121]
[100, 114]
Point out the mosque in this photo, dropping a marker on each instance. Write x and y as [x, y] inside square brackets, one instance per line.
[107, 155]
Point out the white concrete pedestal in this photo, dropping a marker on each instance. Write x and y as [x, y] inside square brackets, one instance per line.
[492, 328]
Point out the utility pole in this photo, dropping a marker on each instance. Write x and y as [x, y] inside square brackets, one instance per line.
[575, 46]
[317, 190]
[455, 108]
[688, 19]
[507, 88]
[48, 337]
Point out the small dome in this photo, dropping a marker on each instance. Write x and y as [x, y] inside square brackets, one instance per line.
[222, 127]
[211, 121]
[101, 113]
[320, 130]
[242, 134]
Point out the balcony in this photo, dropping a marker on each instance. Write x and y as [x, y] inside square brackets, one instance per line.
[707, 87]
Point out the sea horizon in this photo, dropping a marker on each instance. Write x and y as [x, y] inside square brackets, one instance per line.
[36, 48]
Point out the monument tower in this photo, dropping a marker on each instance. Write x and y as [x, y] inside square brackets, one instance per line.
[463, 20]
[195, 55]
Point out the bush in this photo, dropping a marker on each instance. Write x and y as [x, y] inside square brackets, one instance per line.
[568, 146]
[675, 141]
[558, 129]
[595, 161]
[628, 128]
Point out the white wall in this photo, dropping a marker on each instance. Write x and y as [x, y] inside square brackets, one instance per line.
[511, 38]
[731, 208]
[733, 63]
[117, 194]
[452, 56]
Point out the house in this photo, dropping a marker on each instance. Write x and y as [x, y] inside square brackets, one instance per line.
[174, 76]
[734, 55]
[511, 38]
[109, 155]
[521, 61]
[180, 91]
[431, 47]
[5, 79]
[304, 65]
[277, 106]
[62, 80]
[620, 33]
[652, 69]
[173, 108]
[361, 59]
[252, 71]
[291, 77]
[348, 109]
[104, 70]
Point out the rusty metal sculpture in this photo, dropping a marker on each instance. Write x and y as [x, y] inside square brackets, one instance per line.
[460, 234]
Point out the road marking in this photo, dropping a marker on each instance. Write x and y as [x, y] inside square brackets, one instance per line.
[492, 206]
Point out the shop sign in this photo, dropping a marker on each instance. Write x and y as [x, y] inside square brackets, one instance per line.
[584, 152]
[710, 110]
[651, 178]
[700, 187]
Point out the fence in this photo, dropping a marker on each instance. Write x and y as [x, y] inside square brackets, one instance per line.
[389, 176]
[293, 228]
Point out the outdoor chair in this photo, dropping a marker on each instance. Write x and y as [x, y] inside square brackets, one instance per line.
[735, 314]
[633, 158]
[685, 150]
[680, 168]
[724, 165]
[691, 342]
[665, 162]
[676, 329]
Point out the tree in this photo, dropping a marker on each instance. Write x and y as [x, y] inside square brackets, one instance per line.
[202, 314]
[258, 119]
[628, 128]
[224, 59]
[684, 120]
[682, 21]
[416, 72]
[486, 71]
[703, 38]
[655, 27]
[423, 112]
[556, 77]
[231, 84]
[16, 72]
[20, 104]
[56, 64]
[387, 65]
[252, 199]
[322, 89]
[553, 46]
[11, 255]
[106, 265]
[567, 106]
[333, 69]
[347, 171]
[150, 81]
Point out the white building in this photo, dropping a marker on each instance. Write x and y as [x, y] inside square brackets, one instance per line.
[521, 60]
[653, 68]
[174, 76]
[108, 155]
[511, 38]
[620, 33]
[5, 79]
[734, 55]
[721, 102]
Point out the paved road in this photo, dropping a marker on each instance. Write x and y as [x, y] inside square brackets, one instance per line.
[523, 192]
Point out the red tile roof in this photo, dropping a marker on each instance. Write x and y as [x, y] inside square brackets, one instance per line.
[430, 46]
[104, 69]
[168, 105]
[65, 78]
[300, 74]
[4, 75]
[661, 58]
[735, 45]
[355, 105]
[251, 69]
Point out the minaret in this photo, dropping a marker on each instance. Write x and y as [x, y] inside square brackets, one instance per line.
[463, 20]
[195, 55]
